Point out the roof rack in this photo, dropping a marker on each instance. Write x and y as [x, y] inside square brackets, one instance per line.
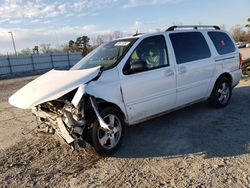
[172, 28]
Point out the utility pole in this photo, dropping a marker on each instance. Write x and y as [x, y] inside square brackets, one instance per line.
[13, 41]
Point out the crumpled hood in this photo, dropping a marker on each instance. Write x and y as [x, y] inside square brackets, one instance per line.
[51, 86]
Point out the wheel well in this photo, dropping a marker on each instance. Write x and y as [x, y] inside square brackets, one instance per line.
[103, 104]
[225, 75]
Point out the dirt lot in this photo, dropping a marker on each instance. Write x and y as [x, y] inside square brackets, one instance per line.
[194, 147]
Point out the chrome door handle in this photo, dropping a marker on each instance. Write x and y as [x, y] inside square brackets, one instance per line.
[182, 70]
[169, 73]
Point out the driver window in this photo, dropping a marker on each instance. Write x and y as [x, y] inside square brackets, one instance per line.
[152, 50]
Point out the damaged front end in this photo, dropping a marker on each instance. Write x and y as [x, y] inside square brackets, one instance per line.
[69, 107]
[63, 118]
[68, 119]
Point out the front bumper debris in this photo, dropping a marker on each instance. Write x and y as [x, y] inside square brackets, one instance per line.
[66, 120]
[62, 131]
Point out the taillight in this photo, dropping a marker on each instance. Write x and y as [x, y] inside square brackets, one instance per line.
[241, 60]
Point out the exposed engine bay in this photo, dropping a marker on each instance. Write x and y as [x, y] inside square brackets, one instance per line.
[61, 117]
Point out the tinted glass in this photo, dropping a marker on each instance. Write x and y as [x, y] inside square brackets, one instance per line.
[152, 50]
[189, 46]
[222, 42]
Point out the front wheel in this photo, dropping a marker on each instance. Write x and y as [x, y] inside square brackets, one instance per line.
[221, 93]
[107, 142]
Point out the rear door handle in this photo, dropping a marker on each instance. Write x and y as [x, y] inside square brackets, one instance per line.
[182, 70]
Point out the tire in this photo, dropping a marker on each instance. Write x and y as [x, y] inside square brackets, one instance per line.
[106, 143]
[221, 93]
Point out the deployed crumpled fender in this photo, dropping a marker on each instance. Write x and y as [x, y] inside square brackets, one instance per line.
[51, 86]
[108, 88]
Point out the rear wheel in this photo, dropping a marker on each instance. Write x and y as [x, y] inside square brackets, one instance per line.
[221, 93]
[107, 142]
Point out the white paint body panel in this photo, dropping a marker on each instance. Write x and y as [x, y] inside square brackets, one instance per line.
[194, 77]
[108, 88]
[51, 86]
[193, 84]
[228, 63]
[149, 93]
[78, 96]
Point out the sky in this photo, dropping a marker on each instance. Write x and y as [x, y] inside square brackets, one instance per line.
[34, 22]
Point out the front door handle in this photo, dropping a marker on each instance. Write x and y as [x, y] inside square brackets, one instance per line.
[169, 73]
[182, 70]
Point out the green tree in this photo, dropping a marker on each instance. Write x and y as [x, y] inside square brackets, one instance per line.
[82, 43]
[71, 46]
[248, 25]
[35, 50]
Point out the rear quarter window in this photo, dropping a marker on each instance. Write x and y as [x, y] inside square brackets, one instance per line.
[189, 46]
[222, 42]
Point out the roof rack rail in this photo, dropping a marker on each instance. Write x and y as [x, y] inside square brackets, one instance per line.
[172, 28]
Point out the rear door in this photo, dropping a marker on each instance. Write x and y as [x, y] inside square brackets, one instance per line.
[194, 65]
[151, 91]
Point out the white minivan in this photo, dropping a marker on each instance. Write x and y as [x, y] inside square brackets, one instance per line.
[130, 80]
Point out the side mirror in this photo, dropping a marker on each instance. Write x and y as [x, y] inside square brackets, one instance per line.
[138, 66]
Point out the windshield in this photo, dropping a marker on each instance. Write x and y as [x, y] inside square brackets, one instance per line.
[106, 55]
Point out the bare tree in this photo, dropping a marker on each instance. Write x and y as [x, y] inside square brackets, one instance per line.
[223, 27]
[158, 30]
[240, 34]
[100, 39]
[45, 48]
[26, 51]
[118, 34]
[58, 49]
[97, 40]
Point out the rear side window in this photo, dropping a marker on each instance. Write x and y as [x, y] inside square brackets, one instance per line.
[189, 46]
[222, 42]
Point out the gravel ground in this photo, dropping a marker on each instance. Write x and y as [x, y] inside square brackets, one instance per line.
[194, 147]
